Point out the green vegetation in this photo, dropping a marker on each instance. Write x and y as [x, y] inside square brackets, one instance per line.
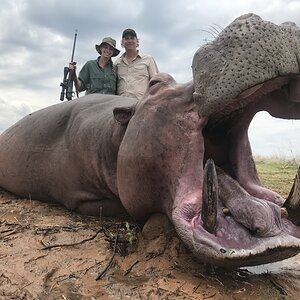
[130, 233]
[277, 175]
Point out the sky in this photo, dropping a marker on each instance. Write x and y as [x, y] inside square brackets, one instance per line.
[36, 39]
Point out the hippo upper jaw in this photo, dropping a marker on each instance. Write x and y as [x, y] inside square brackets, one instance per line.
[248, 52]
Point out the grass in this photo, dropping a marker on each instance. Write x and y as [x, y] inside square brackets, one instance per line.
[277, 175]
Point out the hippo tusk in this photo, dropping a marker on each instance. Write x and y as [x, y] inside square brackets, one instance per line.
[292, 203]
[210, 197]
[283, 212]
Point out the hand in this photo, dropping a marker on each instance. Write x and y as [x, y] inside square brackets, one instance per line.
[72, 66]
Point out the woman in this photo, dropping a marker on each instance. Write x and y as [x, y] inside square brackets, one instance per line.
[99, 75]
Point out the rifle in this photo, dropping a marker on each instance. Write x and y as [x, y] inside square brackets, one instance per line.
[69, 78]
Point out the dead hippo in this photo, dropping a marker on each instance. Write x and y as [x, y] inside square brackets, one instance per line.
[109, 153]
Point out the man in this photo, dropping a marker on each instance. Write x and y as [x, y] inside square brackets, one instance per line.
[134, 68]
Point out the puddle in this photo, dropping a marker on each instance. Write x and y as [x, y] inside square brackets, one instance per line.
[290, 265]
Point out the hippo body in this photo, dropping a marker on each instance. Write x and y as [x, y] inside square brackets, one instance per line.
[72, 153]
[109, 154]
[52, 154]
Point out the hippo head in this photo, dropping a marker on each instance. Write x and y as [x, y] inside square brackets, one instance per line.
[252, 66]
[186, 150]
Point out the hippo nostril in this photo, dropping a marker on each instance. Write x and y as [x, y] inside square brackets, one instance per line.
[210, 197]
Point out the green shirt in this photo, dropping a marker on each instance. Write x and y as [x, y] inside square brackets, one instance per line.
[97, 80]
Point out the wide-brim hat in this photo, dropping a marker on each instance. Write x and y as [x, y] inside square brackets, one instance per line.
[111, 42]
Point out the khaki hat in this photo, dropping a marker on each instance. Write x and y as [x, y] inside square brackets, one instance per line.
[111, 42]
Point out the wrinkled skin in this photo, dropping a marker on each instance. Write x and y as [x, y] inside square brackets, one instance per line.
[108, 154]
[66, 153]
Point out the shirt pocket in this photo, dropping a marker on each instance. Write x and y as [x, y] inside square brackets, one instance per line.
[141, 70]
[122, 70]
[97, 81]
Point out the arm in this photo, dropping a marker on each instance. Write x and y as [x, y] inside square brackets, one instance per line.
[152, 68]
[83, 78]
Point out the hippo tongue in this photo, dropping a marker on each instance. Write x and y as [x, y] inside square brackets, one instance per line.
[259, 216]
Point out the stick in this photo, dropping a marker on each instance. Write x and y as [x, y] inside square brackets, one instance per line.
[111, 260]
[72, 244]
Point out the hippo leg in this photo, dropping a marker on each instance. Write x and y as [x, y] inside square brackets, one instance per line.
[104, 208]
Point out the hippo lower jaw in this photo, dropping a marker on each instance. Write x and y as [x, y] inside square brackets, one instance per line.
[235, 240]
[254, 232]
[257, 251]
[238, 246]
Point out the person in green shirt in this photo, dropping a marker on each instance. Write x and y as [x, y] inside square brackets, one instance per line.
[99, 75]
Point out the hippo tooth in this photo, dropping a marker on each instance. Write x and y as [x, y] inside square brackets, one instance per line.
[292, 203]
[293, 199]
[210, 197]
[226, 211]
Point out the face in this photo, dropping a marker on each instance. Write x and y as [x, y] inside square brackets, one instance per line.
[130, 42]
[107, 50]
[166, 119]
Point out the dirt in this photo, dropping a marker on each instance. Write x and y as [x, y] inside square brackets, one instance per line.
[47, 252]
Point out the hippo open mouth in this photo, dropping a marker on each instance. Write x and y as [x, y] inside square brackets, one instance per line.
[245, 223]
[242, 72]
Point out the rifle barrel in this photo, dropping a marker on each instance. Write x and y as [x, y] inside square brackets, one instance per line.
[69, 77]
[74, 43]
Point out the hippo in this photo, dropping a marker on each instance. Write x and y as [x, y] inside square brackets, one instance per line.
[182, 150]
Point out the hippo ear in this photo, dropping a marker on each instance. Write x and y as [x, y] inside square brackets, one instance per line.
[123, 114]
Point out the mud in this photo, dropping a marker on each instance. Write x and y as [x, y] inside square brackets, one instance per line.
[47, 252]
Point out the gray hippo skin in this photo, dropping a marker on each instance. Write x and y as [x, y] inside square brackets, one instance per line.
[110, 154]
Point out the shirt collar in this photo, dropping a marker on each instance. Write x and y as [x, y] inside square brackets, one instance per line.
[138, 55]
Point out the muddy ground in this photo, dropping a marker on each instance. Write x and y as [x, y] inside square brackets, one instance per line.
[47, 252]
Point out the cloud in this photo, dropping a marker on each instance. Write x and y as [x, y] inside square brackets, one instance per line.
[12, 113]
[274, 137]
[36, 40]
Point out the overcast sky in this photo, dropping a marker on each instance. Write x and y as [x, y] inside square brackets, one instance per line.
[36, 39]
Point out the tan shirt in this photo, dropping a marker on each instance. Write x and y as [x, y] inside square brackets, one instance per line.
[133, 78]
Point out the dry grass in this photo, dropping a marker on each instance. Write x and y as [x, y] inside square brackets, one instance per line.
[277, 174]
[281, 159]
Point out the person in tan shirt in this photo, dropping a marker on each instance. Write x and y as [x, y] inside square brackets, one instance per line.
[134, 69]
